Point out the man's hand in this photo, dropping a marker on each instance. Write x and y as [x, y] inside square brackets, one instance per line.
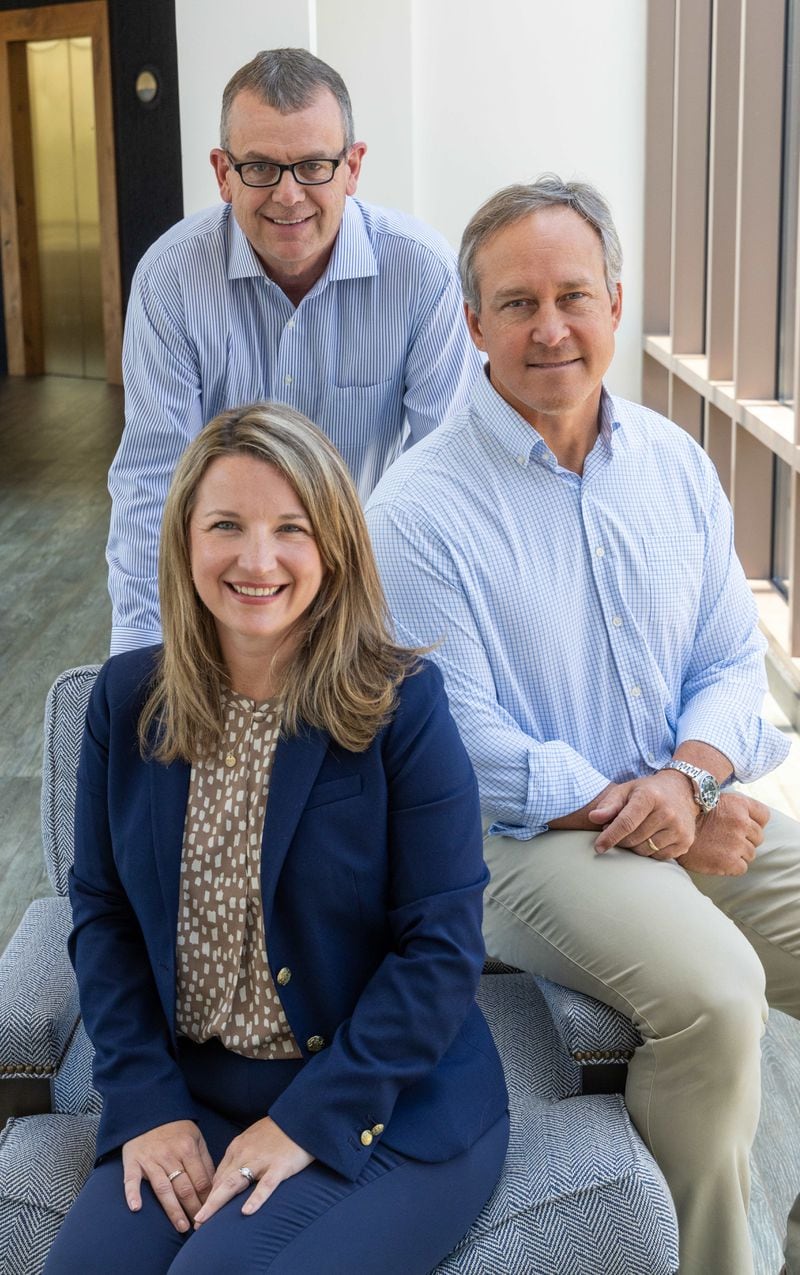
[727, 837]
[271, 1156]
[174, 1159]
[654, 816]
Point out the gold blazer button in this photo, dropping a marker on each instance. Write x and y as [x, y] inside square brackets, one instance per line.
[284, 975]
[315, 1043]
[366, 1138]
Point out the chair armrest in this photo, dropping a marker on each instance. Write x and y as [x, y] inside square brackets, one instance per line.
[38, 994]
[592, 1033]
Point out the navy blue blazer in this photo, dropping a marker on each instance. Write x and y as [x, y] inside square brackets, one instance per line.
[372, 883]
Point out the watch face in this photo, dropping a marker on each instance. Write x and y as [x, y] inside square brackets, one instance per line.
[708, 792]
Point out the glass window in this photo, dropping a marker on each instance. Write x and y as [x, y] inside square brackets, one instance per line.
[791, 173]
[781, 502]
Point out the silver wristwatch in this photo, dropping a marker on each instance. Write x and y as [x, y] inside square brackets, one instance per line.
[706, 788]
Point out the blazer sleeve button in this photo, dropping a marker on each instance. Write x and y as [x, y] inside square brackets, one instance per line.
[315, 1043]
[366, 1138]
[283, 975]
[377, 1129]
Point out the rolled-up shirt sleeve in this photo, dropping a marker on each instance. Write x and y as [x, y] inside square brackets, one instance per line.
[725, 679]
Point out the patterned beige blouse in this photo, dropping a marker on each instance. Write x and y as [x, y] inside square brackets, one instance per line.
[224, 985]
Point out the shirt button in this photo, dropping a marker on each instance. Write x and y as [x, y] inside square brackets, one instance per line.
[315, 1043]
[522, 460]
[617, 621]
[288, 378]
[600, 552]
[291, 323]
[366, 1138]
[636, 691]
[284, 975]
[650, 759]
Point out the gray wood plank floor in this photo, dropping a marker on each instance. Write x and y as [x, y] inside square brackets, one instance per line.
[57, 438]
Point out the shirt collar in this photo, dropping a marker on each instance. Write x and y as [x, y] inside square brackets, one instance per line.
[352, 257]
[242, 260]
[520, 439]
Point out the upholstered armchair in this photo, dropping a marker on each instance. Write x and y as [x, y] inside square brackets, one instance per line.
[579, 1194]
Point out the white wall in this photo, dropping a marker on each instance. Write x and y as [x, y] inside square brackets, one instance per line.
[506, 89]
[455, 98]
[369, 43]
[215, 38]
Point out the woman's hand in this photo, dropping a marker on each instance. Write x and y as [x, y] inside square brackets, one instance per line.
[174, 1159]
[269, 1154]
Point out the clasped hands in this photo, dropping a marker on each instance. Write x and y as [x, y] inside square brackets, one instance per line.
[174, 1159]
[657, 816]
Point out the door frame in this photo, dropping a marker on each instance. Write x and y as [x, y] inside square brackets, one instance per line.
[20, 252]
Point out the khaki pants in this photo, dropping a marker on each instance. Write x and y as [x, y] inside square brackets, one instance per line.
[658, 944]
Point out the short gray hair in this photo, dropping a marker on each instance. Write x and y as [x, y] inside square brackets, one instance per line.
[288, 80]
[512, 203]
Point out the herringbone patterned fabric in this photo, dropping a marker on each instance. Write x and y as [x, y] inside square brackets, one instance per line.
[64, 716]
[73, 1089]
[44, 1161]
[591, 1032]
[38, 992]
[579, 1193]
[533, 1060]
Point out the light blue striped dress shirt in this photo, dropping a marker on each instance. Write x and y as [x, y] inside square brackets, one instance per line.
[377, 354]
[588, 624]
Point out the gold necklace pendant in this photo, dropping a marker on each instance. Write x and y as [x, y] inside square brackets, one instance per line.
[230, 759]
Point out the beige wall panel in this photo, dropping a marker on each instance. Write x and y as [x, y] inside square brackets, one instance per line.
[689, 176]
[719, 444]
[794, 569]
[20, 255]
[752, 503]
[796, 394]
[655, 386]
[658, 180]
[759, 187]
[686, 408]
[723, 160]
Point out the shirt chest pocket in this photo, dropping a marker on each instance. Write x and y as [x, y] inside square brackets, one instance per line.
[671, 583]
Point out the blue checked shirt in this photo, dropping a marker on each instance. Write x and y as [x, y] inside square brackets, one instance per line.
[588, 624]
[377, 354]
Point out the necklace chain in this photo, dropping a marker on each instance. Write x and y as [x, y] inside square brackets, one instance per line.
[231, 754]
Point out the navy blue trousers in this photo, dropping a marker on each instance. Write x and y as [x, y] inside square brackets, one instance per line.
[400, 1217]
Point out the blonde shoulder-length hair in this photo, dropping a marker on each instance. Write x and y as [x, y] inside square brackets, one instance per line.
[344, 669]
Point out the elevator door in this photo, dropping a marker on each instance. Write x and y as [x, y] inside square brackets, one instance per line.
[67, 207]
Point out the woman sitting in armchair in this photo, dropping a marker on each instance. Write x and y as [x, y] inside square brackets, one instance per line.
[277, 902]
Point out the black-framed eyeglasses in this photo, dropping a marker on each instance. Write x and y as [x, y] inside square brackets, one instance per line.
[306, 172]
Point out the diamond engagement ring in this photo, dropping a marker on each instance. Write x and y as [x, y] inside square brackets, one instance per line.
[248, 1173]
[176, 1173]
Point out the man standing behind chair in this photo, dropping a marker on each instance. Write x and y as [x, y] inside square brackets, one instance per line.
[290, 291]
[574, 554]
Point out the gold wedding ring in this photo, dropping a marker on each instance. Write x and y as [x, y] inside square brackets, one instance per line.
[652, 845]
[176, 1173]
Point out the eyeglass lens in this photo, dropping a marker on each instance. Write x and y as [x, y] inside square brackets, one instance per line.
[308, 172]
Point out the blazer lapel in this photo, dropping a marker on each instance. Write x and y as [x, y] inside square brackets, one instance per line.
[296, 766]
[169, 791]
